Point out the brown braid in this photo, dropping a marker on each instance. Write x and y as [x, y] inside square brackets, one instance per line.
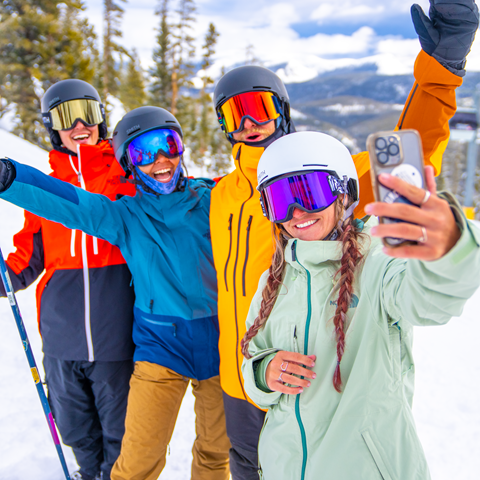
[350, 259]
[270, 291]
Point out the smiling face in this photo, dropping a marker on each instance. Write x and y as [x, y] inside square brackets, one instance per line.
[162, 169]
[80, 134]
[254, 133]
[311, 226]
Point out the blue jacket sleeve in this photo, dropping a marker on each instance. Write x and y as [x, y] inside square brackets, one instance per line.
[64, 203]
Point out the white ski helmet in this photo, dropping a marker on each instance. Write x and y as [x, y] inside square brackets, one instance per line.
[304, 152]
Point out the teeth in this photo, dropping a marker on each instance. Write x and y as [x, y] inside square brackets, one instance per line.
[165, 170]
[81, 137]
[306, 224]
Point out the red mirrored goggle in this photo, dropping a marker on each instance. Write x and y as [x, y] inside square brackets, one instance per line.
[260, 107]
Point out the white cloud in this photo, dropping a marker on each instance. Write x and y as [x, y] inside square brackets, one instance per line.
[267, 26]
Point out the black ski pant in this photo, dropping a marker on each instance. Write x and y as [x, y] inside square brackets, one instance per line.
[89, 402]
[244, 423]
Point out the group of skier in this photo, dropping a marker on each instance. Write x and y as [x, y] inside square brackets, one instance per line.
[194, 251]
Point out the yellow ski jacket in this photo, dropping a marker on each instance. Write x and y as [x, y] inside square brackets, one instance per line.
[242, 237]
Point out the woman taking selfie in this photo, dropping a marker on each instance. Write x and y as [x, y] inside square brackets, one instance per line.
[329, 342]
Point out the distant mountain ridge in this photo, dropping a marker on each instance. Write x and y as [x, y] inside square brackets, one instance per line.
[350, 103]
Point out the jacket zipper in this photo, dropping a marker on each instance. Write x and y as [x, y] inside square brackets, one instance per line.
[305, 352]
[235, 275]
[246, 254]
[229, 250]
[86, 276]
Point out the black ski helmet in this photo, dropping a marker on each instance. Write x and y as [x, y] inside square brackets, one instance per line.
[251, 78]
[136, 122]
[63, 91]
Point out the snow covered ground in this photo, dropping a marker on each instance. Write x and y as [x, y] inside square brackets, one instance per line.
[446, 405]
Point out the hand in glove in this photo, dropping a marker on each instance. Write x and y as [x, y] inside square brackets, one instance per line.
[449, 32]
[7, 174]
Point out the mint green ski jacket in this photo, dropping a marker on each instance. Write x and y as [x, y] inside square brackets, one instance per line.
[367, 432]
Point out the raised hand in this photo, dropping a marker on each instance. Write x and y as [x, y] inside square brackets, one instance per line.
[449, 32]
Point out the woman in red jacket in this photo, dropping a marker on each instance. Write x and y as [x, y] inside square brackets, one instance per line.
[84, 298]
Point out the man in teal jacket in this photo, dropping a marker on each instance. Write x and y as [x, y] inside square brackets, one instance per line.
[163, 233]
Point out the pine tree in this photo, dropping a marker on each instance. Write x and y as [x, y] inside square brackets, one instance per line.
[161, 86]
[209, 148]
[36, 44]
[132, 87]
[183, 51]
[112, 16]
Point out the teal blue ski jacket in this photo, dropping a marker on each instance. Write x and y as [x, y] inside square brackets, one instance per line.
[165, 241]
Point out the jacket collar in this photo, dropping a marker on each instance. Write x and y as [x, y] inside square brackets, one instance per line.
[91, 155]
[311, 255]
[246, 161]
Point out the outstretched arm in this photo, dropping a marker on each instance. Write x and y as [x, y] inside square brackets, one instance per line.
[440, 270]
[61, 202]
[438, 71]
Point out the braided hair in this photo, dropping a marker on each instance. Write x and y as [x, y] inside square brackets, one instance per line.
[270, 291]
[351, 256]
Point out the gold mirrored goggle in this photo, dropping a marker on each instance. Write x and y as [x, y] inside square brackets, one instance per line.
[65, 115]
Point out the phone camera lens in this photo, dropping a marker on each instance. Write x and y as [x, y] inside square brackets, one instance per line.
[382, 158]
[380, 143]
[393, 140]
[393, 149]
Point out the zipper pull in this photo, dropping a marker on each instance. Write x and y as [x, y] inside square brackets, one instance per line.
[230, 221]
[249, 222]
[80, 178]
[294, 254]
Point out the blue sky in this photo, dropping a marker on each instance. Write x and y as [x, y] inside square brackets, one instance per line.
[308, 36]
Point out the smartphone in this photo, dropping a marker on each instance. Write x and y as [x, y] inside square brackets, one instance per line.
[398, 153]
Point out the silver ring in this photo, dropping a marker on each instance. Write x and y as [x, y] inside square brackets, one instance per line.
[280, 377]
[424, 236]
[425, 198]
[284, 366]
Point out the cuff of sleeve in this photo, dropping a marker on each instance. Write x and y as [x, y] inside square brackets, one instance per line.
[456, 69]
[429, 71]
[260, 370]
[468, 241]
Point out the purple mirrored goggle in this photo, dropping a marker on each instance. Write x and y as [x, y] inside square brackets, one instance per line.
[311, 192]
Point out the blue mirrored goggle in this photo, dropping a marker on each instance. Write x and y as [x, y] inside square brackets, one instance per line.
[145, 148]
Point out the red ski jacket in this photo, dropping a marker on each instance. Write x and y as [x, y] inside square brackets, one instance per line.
[84, 298]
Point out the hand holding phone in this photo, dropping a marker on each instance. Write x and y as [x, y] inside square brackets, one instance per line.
[431, 228]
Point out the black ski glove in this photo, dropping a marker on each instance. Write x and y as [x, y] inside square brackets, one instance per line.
[449, 32]
[7, 174]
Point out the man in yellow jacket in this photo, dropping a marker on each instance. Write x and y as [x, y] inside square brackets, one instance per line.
[253, 109]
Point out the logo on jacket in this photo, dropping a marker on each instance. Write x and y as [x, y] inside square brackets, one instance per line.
[353, 303]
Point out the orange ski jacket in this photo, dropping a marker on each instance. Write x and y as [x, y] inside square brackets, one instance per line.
[84, 298]
[242, 237]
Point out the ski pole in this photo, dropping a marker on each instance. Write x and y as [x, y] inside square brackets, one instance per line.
[31, 361]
